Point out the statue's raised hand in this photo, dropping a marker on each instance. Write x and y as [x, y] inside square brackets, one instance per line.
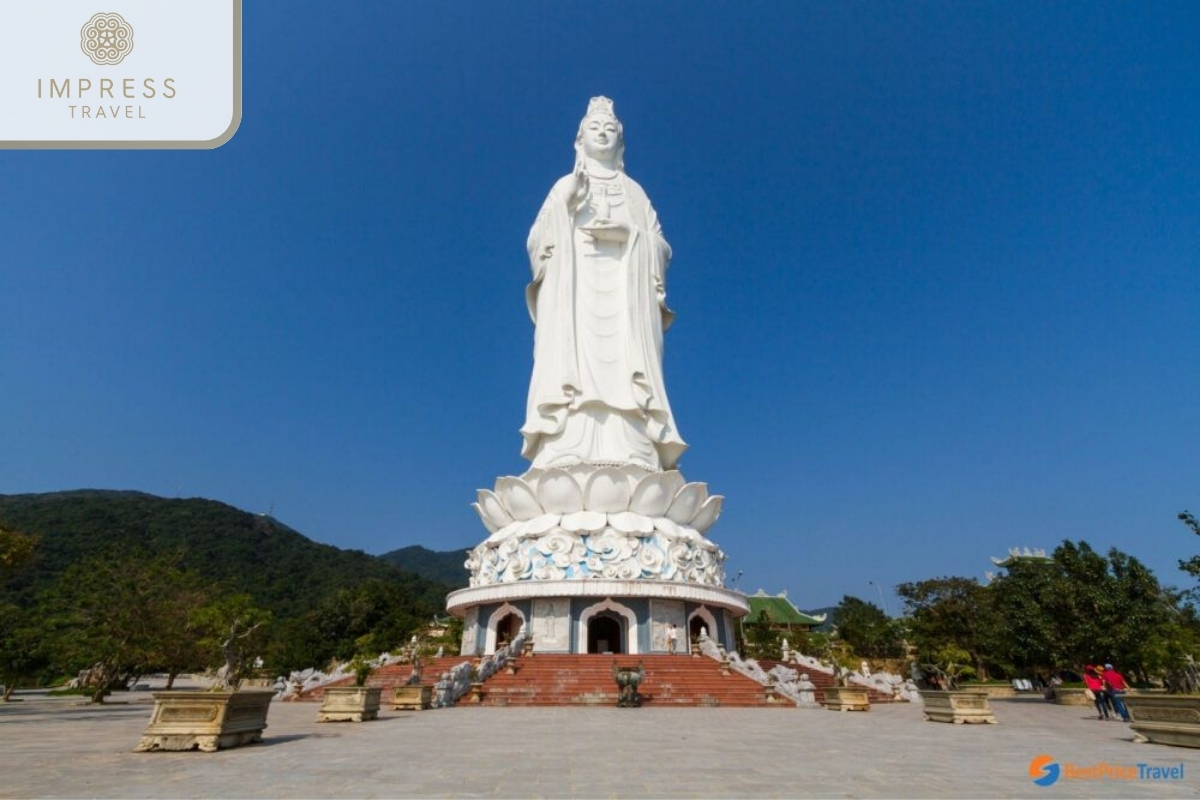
[579, 189]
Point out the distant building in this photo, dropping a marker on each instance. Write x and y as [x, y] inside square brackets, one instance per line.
[1016, 554]
[783, 614]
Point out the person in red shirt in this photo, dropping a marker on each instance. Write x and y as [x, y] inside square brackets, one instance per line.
[1116, 686]
[1093, 680]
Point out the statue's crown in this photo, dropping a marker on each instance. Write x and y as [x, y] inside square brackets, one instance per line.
[600, 105]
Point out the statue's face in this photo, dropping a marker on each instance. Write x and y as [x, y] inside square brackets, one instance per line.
[601, 136]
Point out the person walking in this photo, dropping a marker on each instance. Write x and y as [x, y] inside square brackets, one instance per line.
[1116, 687]
[1094, 682]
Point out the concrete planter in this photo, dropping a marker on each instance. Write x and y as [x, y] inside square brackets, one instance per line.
[412, 698]
[847, 698]
[992, 690]
[1071, 697]
[1172, 719]
[206, 721]
[350, 704]
[957, 706]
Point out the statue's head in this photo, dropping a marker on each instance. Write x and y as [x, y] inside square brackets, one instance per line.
[601, 134]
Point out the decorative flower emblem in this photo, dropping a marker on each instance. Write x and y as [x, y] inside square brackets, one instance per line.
[106, 38]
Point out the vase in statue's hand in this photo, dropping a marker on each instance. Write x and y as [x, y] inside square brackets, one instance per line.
[607, 230]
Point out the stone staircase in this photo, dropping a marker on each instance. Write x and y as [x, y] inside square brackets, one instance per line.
[566, 680]
[394, 675]
[571, 680]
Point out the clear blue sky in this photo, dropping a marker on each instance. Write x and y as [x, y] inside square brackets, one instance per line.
[936, 270]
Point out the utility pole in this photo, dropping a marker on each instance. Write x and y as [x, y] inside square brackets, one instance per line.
[882, 603]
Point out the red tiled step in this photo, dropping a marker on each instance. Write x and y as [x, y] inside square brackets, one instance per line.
[557, 680]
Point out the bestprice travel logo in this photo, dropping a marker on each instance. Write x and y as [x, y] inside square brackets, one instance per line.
[1046, 770]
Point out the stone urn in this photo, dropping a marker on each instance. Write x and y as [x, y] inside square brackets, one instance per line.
[847, 698]
[412, 697]
[628, 679]
[205, 721]
[1172, 719]
[958, 706]
[350, 704]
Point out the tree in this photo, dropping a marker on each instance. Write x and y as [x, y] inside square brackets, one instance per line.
[235, 631]
[21, 650]
[1192, 565]
[1024, 637]
[16, 550]
[177, 642]
[868, 631]
[949, 611]
[1082, 607]
[950, 664]
[21, 637]
[117, 618]
[763, 639]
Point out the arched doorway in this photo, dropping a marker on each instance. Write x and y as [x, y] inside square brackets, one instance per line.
[699, 619]
[605, 633]
[607, 627]
[507, 629]
[503, 626]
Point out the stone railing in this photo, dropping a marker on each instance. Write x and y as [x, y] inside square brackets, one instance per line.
[789, 682]
[455, 684]
[297, 684]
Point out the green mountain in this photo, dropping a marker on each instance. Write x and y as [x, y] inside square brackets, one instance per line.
[280, 568]
[444, 566]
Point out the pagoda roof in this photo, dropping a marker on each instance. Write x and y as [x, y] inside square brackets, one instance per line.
[780, 610]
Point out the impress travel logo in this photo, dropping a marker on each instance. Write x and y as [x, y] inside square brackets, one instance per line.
[75, 79]
[1046, 770]
[107, 39]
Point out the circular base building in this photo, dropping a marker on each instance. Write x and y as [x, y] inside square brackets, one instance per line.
[596, 560]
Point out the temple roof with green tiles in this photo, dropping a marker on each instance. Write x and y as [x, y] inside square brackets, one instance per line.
[780, 610]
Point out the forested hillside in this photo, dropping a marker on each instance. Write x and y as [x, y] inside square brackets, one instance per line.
[444, 566]
[92, 551]
[280, 568]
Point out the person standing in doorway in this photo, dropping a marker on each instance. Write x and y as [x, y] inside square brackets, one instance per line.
[672, 637]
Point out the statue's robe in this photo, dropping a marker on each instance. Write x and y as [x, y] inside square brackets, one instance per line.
[597, 393]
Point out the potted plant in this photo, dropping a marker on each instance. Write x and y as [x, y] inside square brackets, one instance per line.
[357, 703]
[223, 716]
[944, 700]
[1172, 717]
[413, 695]
[843, 696]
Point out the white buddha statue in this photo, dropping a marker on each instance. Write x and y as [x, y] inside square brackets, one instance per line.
[597, 299]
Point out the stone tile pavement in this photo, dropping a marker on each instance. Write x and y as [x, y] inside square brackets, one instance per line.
[54, 747]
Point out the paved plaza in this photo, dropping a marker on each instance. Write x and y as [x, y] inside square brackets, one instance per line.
[56, 747]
